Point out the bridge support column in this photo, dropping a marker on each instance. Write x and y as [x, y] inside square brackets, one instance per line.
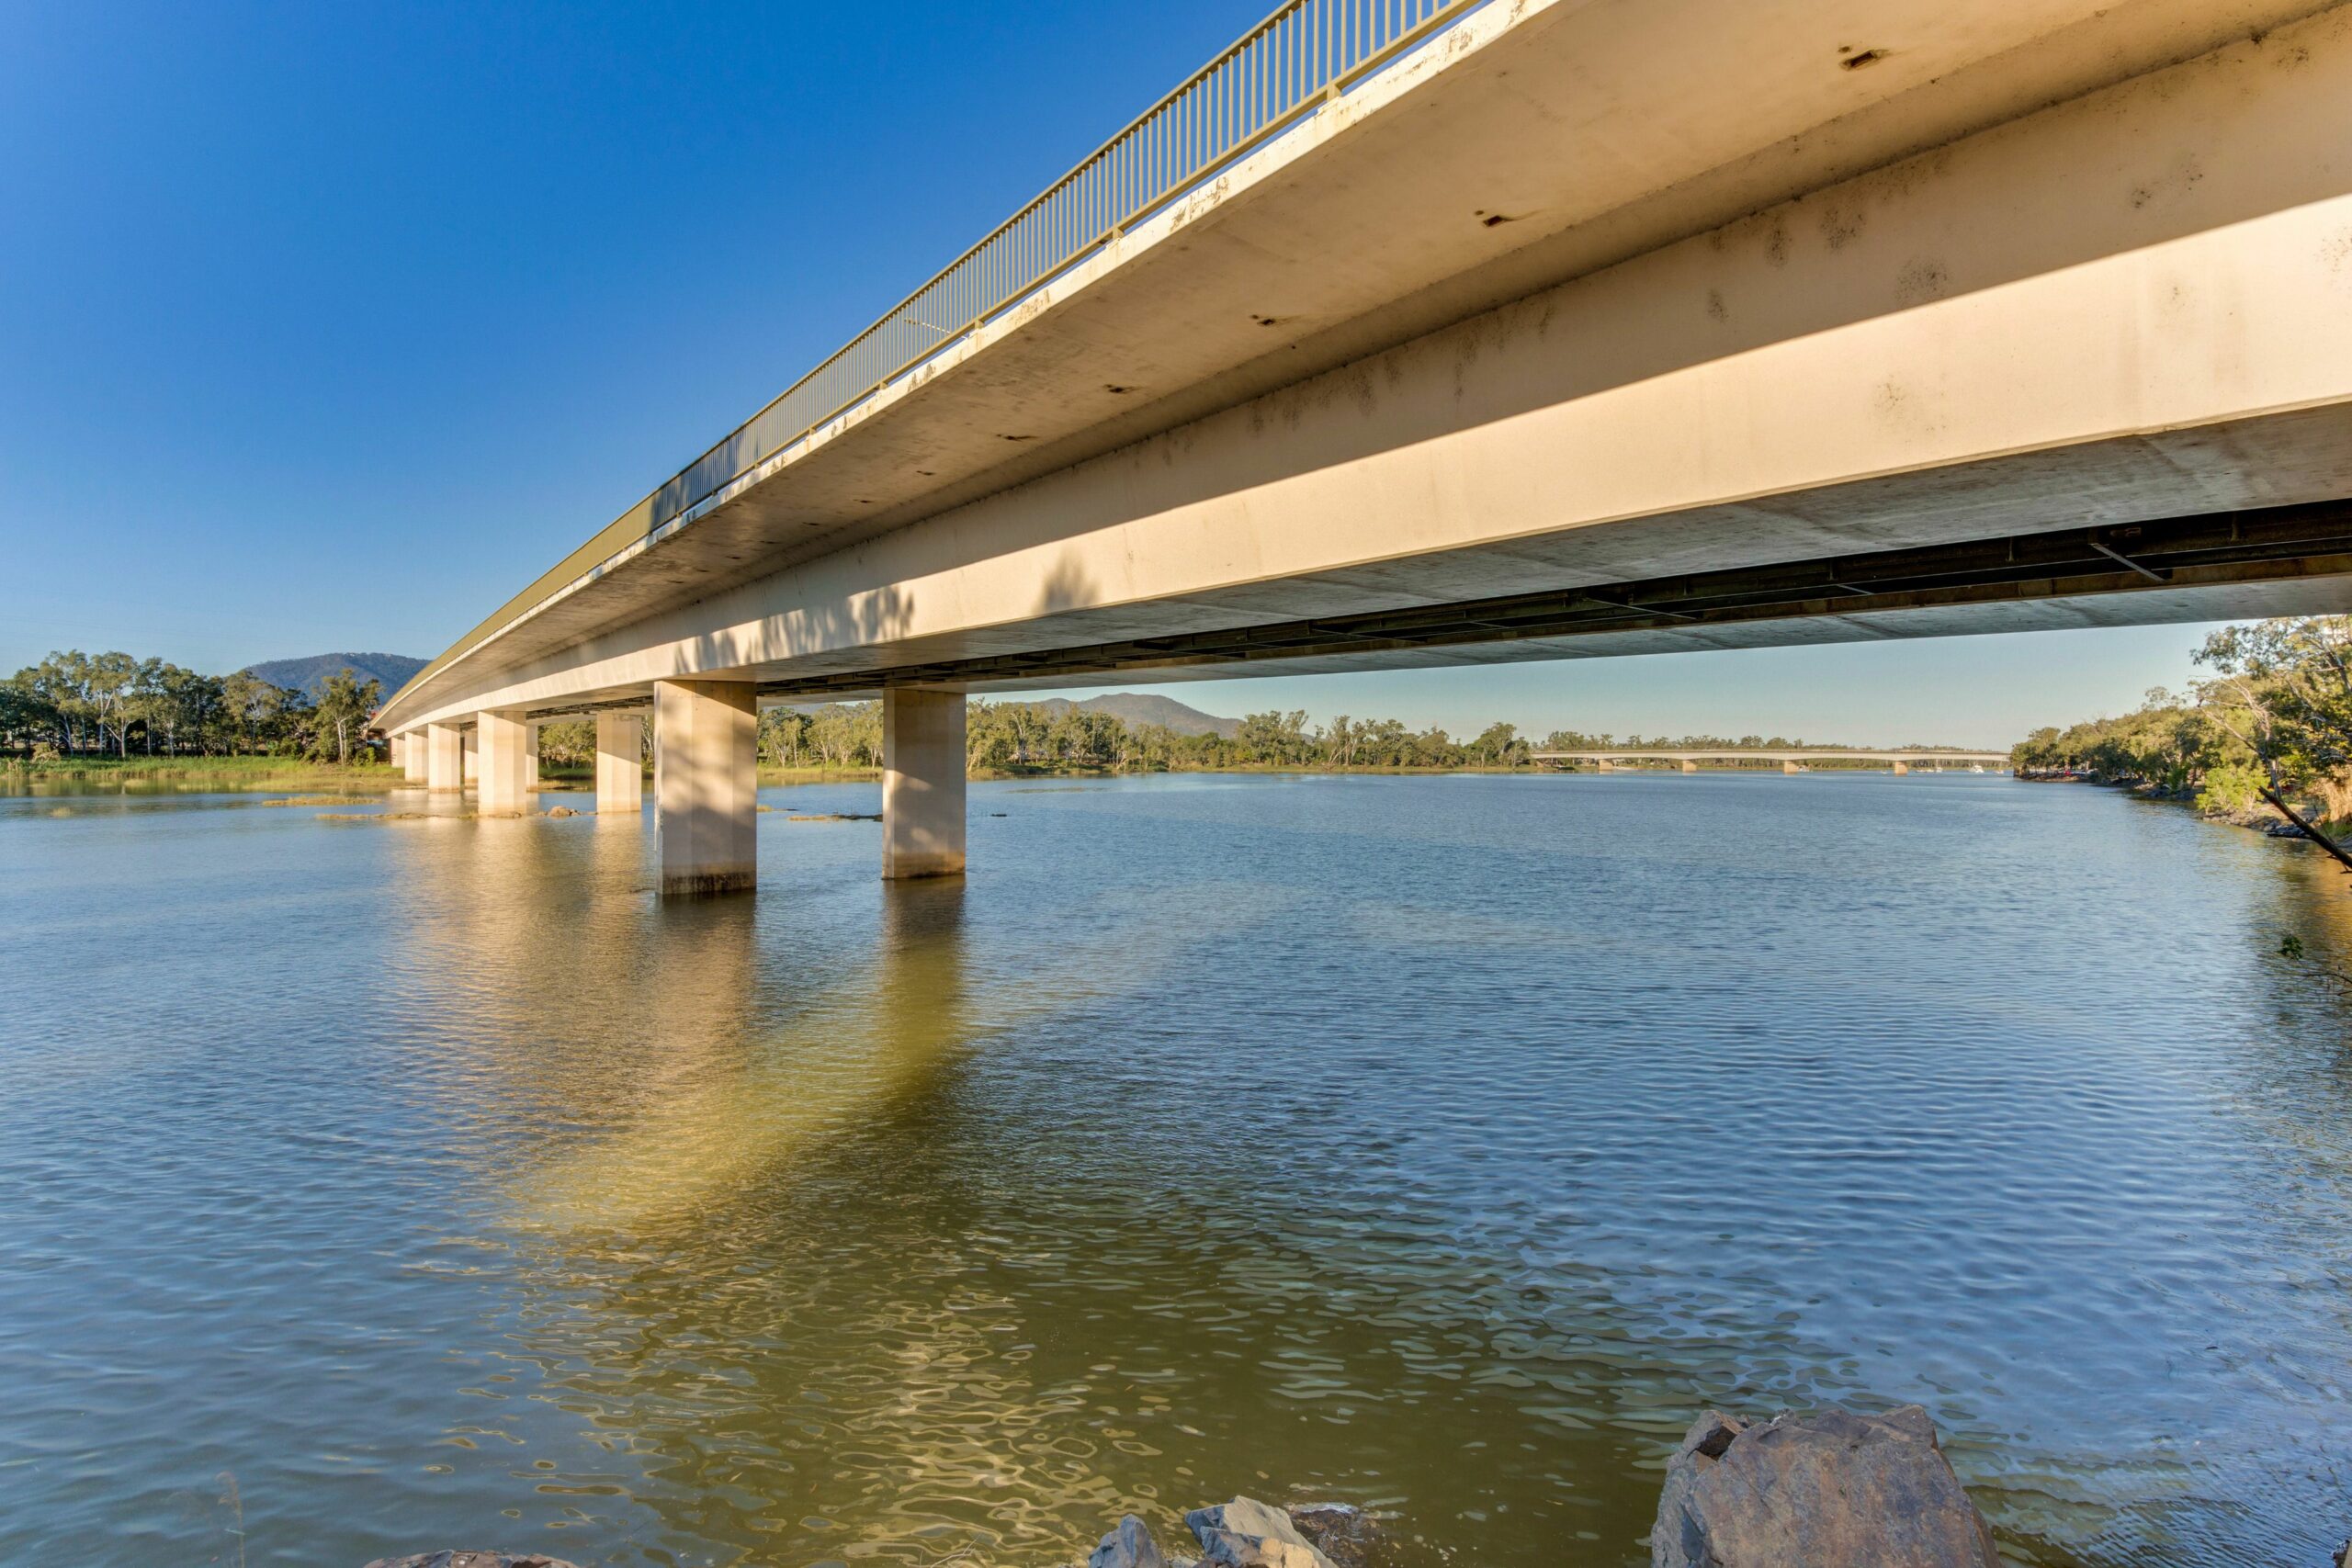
[470, 737]
[922, 783]
[1604, 765]
[504, 748]
[1689, 767]
[1789, 767]
[620, 763]
[705, 785]
[1901, 769]
[444, 763]
[416, 757]
[396, 749]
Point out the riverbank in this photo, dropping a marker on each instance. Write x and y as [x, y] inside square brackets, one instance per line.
[2259, 817]
[231, 773]
[201, 773]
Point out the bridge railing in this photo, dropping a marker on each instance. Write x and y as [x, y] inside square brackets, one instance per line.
[1305, 53]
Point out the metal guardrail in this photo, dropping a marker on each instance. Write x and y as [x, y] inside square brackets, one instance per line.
[1304, 55]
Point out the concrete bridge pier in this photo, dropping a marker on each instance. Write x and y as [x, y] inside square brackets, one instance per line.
[508, 771]
[445, 767]
[1789, 767]
[922, 783]
[1605, 766]
[470, 738]
[396, 749]
[416, 756]
[1901, 769]
[620, 765]
[705, 785]
[1689, 766]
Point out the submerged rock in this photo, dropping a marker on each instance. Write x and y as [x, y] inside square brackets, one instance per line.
[472, 1560]
[1344, 1533]
[1246, 1533]
[1129, 1546]
[1829, 1490]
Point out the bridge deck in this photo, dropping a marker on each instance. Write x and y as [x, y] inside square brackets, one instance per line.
[1258, 418]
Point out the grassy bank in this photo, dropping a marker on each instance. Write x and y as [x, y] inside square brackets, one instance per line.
[201, 773]
[775, 775]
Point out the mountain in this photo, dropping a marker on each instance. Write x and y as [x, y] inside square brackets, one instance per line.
[309, 674]
[1148, 707]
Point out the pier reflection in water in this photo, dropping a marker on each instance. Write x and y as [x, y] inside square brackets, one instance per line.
[1439, 1144]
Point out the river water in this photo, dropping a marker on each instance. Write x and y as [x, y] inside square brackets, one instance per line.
[1442, 1144]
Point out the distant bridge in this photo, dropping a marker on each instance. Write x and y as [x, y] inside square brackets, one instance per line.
[1794, 761]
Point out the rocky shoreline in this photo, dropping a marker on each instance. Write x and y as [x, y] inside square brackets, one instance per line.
[2265, 822]
[1830, 1488]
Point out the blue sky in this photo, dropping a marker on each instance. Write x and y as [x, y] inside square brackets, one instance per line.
[328, 326]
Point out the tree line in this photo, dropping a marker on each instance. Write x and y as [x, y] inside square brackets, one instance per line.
[1014, 736]
[2271, 726]
[111, 704]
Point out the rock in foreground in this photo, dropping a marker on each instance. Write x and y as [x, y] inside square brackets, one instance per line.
[1129, 1546]
[1829, 1490]
[1246, 1533]
[1344, 1533]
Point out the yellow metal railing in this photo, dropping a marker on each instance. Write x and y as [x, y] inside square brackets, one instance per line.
[1306, 53]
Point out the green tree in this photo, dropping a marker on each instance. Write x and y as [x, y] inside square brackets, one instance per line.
[28, 718]
[568, 744]
[1279, 739]
[345, 703]
[257, 714]
[2283, 690]
[109, 684]
[1499, 746]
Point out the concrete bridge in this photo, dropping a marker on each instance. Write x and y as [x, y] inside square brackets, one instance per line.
[1415, 333]
[1790, 761]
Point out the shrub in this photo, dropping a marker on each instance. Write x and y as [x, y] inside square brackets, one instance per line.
[2230, 788]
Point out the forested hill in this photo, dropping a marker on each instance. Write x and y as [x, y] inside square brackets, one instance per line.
[308, 675]
[1138, 708]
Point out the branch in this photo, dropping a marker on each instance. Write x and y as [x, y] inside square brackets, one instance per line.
[2310, 832]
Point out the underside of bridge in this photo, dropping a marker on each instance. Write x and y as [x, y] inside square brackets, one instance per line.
[1562, 330]
[2283, 560]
